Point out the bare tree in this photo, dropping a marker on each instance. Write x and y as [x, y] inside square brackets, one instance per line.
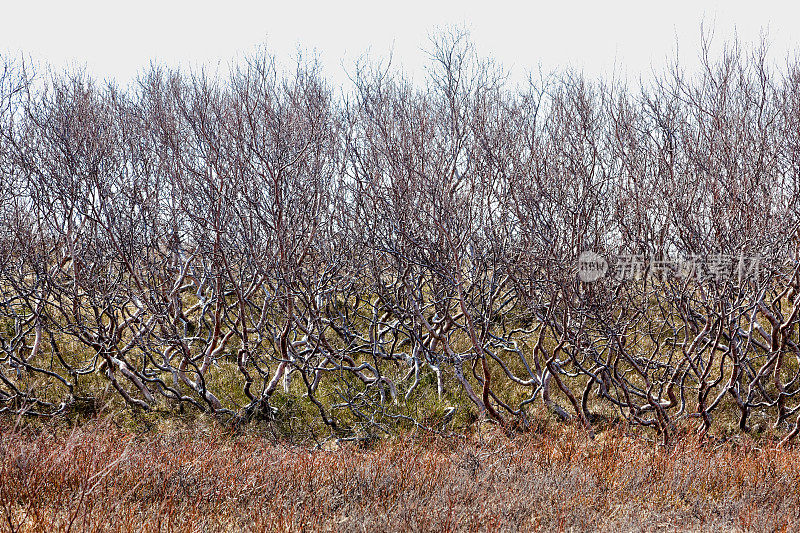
[256, 246]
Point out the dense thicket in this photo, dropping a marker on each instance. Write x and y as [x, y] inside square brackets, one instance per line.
[403, 254]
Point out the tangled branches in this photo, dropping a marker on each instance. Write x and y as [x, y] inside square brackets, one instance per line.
[404, 255]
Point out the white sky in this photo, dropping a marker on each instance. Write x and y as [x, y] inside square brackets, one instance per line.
[118, 39]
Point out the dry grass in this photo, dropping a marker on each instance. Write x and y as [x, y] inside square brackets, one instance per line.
[102, 477]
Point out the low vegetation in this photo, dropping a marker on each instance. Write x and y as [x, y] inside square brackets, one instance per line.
[112, 475]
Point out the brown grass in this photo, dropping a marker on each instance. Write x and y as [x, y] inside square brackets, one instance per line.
[102, 477]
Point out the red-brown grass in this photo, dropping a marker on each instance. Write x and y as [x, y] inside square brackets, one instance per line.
[101, 477]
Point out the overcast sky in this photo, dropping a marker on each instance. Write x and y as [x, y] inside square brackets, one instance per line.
[117, 40]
